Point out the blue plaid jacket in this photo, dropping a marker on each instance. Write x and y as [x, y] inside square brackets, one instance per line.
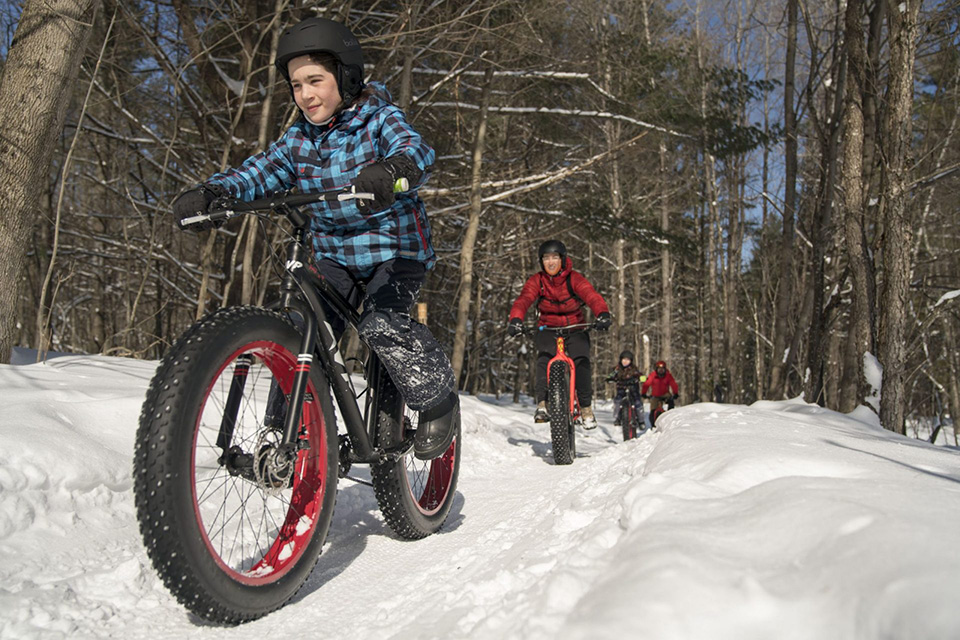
[322, 158]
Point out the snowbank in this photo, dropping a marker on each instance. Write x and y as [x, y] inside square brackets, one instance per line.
[778, 520]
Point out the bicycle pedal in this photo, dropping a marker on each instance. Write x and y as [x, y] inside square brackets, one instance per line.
[397, 451]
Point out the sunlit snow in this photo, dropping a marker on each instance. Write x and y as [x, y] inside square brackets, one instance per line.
[777, 520]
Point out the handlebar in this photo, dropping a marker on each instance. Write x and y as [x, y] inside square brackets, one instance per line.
[532, 330]
[223, 209]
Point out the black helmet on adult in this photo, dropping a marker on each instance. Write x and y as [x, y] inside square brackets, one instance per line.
[316, 35]
[627, 354]
[552, 246]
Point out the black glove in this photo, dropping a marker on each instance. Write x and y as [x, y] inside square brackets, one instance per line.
[378, 178]
[645, 396]
[515, 327]
[195, 202]
[603, 322]
[676, 395]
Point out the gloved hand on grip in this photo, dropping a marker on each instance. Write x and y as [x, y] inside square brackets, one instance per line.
[378, 178]
[515, 327]
[194, 202]
[603, 322]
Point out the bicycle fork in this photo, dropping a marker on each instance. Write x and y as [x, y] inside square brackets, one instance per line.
[562, 356]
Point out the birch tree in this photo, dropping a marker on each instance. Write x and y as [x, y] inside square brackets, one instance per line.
[35, 89]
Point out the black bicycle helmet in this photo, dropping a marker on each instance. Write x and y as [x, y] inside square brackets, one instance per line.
[627, 354]
[315, 35]
[552, 246]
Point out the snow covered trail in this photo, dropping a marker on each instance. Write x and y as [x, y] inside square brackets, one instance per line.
[775, 520]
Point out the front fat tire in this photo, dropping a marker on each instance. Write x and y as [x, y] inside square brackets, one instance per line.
[415, 496]
[626, 424]
[164, 482]
[561, 422]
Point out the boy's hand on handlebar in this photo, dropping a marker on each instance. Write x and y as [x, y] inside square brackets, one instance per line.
[377, 179]
[603, 322]
[194, 202]
[515, 327]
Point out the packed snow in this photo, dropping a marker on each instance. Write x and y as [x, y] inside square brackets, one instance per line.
[777, 520]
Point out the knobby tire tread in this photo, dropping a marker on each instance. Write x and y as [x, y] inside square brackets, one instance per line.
[155, 469]
[389, 482]
[625, 420]
[560, 419]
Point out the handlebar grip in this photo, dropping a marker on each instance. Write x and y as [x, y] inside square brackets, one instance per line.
[217, 216]
[400, 185]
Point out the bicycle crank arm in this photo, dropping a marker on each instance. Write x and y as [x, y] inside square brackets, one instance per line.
[381, 455]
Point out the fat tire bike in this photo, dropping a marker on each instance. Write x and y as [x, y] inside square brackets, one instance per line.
[237, 452]
[562, 403]
[657, 407]
[631, 423]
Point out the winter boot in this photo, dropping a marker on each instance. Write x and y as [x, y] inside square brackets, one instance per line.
[589, 420]
[437, 427]
[541, 415]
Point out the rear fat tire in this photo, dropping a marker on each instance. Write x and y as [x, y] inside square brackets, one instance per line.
[415, 496]
[561, 422]
[171, 509]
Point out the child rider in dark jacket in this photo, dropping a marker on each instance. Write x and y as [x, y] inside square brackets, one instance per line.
[376, 254]
[627, 377]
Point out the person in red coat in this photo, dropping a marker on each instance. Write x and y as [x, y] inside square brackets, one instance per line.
[660, 386]
[560, 293]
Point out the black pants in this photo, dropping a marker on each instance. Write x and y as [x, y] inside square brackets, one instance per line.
[409, 352]
[577, 346]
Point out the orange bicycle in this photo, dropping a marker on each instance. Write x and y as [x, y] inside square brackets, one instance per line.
[562, 403]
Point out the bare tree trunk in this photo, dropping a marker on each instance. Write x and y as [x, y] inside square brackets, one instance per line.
[954, 372]
[635, 338]
[816, 345]
[713, 249]
[406, 76]
[666, 281]
[898, 232]
[38, 74]
[43, 313]
[249, 269]
[731, 304]
[785, 289]
[704, 374]
[611, 132]
[666, 287]
[470, 236]
[853, 385]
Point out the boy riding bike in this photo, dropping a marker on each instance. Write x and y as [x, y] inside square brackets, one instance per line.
[662, 388]
[559, 293]
[627, 377]
[375, 254]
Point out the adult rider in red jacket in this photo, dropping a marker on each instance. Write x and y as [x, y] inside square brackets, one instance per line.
[559, 293]
[660, 385]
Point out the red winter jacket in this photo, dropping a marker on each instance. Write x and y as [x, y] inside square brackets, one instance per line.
[559, 298]
[660, 386]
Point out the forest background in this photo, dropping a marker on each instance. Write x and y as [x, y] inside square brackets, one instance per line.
[765, 192]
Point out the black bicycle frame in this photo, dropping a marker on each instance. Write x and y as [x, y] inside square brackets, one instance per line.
[301, 291]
